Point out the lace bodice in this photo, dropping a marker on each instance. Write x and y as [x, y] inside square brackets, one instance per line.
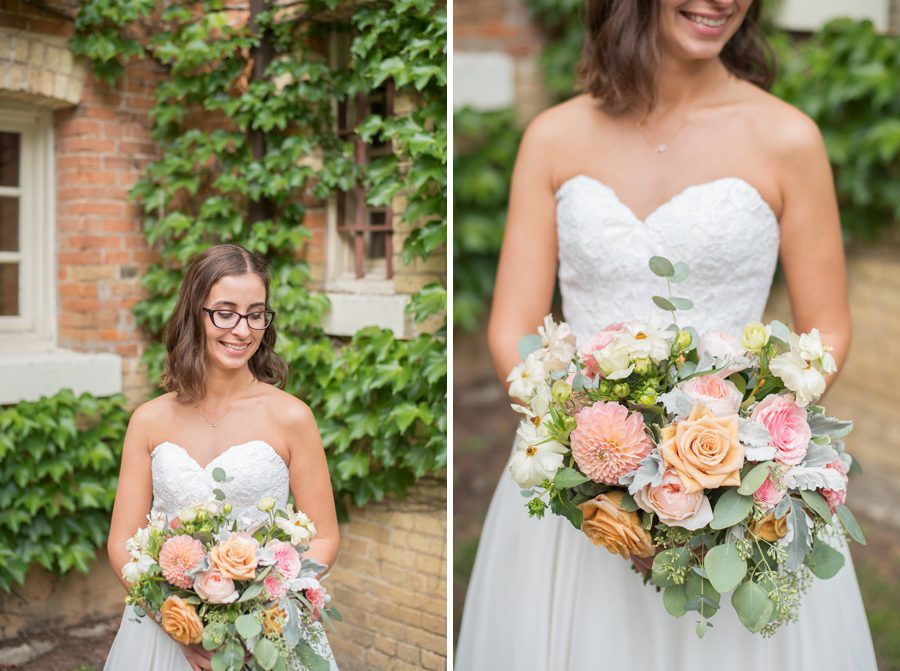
[254, 470]
[723, 230]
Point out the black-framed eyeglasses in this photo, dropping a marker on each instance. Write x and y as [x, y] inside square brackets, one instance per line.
[258, 320]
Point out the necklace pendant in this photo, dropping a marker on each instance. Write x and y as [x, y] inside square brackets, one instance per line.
[661, 148]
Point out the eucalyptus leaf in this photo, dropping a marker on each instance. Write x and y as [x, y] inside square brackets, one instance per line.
[311, 660]
[218, 474]
[850, 523]
[754, 478]
[780, 331]
[824, 561]
[628, 504]
[265, 653]
[681, 303]
[678, 557]
[681, 272]
[725, 567]
[528, 344]
[661, 266]
[251, 592]
[753, 607]
[247, 626]
[730, 509]
[674, 599]
[817, 503]
[664, 303]
[701, 628]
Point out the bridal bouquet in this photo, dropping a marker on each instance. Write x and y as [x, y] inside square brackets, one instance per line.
[701, 451]
[242, 590]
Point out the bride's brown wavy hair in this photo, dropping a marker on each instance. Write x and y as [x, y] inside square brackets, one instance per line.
[185, 368]
[620, 58]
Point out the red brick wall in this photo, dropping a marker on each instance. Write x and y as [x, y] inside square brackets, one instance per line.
[102, 146]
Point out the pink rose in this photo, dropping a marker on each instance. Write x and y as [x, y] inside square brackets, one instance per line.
[287, 559]
[768, 495]
[674, 505]
[594, 344]
[274, 585]
[722, 346]
[721, 396]
[316, 597]
[786, 422]
[836, 497]
[213, 587]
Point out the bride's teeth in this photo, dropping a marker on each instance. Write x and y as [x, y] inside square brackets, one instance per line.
[706, 21]
[234, 347]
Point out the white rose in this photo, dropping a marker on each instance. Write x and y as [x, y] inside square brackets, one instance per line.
[614, 360]
[719, 345]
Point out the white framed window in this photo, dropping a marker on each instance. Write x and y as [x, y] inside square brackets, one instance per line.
[31, 364]
[27, 267]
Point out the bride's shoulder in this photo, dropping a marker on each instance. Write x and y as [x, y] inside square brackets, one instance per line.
[156, 411]
[779, 126]
[563, 123]
[286, 410]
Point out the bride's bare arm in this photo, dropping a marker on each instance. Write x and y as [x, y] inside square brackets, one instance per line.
[310, 481]
[812, 251]
[527, 270]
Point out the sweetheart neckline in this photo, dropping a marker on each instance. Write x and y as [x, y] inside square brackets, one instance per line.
[674, 198]
[220, 455]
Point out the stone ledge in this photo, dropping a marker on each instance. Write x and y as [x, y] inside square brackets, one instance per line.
[28, 376]
[351, 312]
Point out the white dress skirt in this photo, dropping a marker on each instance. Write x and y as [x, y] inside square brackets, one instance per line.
[541, 596]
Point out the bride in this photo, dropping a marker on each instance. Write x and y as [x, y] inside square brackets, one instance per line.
[222, 408]
[676, 149]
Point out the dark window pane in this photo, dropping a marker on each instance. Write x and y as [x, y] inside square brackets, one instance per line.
[9, 159]
[9, 224]
[377, 249]
[9, 289]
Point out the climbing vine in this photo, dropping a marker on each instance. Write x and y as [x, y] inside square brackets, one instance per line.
[244, 118]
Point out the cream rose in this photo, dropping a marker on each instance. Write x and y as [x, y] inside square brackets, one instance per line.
[620, 532]
[704, 449]
[235, 557]
[180, 620]
[675, 506]
[721, 396]
[214, 587]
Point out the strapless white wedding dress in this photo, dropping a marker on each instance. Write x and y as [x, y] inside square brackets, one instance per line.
[179, 481]
[541, 596]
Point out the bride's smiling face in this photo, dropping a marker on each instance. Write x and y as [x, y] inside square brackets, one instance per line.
[233, 347]
[699, 29]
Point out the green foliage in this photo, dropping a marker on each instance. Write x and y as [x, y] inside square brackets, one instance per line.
[485, 147]
[847, 78]
[244, 118]
[59, 459]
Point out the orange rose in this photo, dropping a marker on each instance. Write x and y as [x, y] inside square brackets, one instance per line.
[273, 619]
[769, 528]
[235, 557]
[620, 532]
[180, 621]
[704, 449]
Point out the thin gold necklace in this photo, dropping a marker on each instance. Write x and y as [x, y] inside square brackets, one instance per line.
[661, 147]
[213, 425]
